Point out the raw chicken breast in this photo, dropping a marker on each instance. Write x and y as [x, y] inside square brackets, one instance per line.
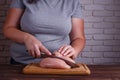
[55, 63]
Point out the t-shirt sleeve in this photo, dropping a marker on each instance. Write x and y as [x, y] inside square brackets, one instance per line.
[17, 4]
[77, 13]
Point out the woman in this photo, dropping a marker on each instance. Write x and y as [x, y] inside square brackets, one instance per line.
[45, 26]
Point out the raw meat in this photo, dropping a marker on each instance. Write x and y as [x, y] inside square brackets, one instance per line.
[55, 63]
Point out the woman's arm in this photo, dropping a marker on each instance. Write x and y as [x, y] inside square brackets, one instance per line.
[77, 38]
[77, 35]
[11, 31]
[10, 28]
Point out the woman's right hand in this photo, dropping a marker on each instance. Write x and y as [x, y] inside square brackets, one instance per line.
[34, 46]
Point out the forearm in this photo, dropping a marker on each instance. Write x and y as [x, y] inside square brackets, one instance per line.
[78, 44]
[15, 34]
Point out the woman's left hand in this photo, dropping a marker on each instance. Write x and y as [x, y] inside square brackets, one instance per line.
[68, 51]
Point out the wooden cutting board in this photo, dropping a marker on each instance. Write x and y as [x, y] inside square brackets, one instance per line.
[34, 68]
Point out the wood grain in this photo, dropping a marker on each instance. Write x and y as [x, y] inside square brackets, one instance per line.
[35, 69]
[98, 72]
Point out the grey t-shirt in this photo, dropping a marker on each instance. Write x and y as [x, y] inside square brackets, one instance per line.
[49, 21]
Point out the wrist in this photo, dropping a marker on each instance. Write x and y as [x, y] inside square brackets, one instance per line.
[77, 51]
[26, 37]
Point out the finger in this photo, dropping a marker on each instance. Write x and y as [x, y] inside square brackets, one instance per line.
[67, 52]
[70, 54]
[64, 49]
[70, 49]
[29, 52]
[45, 50]
[37, 51]
[32, 53]
[56, 53]
[61, 48]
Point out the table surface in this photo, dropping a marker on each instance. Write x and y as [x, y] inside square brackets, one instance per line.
[98, 72]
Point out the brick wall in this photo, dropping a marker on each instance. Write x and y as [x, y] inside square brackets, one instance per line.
[102, 30]
[4, 43]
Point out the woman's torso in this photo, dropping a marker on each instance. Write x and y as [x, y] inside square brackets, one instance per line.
[49, 21]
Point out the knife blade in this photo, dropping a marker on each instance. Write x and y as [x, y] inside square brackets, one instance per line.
[73, 65]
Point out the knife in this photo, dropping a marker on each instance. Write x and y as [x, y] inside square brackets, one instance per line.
[73, 65]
